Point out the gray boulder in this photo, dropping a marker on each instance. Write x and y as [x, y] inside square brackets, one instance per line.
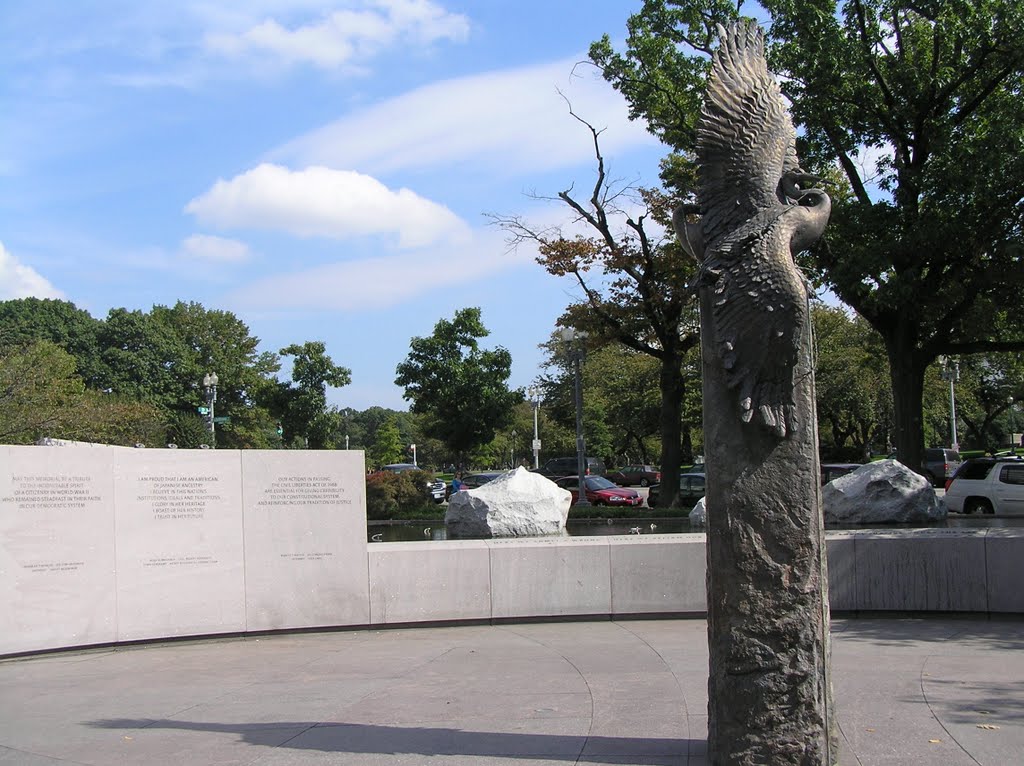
[886, 492]
[699, 514]
[518, 504]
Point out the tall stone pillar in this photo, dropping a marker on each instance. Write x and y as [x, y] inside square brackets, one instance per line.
[769, 689]
[770, 699]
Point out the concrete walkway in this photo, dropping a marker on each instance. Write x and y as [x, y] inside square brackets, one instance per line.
[909, 691]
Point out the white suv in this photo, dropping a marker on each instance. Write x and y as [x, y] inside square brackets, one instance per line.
[987, 485]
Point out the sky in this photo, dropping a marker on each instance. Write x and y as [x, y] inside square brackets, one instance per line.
[323, 170]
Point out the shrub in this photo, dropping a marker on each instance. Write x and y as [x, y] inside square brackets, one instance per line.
[398, 495]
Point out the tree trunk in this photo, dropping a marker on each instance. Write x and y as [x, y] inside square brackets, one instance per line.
[769, 689]
[671, 384]
[906, 372]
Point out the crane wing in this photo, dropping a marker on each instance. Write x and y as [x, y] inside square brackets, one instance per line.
[745, 138]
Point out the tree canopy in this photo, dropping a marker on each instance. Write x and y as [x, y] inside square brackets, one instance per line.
[635, 290]
[147, 367]
[920, 106]
[302, 405]
[460, 387]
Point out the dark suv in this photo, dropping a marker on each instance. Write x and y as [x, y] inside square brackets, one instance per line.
[691, 489]
[557, 467]
[940, 463]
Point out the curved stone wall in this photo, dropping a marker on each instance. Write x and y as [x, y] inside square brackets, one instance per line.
[108, 546]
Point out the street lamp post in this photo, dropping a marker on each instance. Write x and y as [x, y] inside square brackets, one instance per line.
[210, 388]
[951, 372]
[534, 395]
[574, 340]
[512, 448]
[1015, 439]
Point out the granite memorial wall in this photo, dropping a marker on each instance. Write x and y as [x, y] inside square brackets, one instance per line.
[99, 546]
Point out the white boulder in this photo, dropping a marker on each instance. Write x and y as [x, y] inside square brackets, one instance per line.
[699, 514]
[518, 504]
[885, 492]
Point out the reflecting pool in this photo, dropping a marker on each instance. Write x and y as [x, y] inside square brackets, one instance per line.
[418, 531]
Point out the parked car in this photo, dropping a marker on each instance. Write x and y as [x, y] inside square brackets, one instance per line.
[600, 491]
[691, 489]
[987, 485]
[557, 467]
[436, 489]
[830, 471]
[627, 476]
[474, 480]
[940, 463]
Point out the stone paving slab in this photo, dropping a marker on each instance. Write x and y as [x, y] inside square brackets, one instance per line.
[909, 692]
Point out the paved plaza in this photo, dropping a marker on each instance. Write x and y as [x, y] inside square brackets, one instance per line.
[936, 690]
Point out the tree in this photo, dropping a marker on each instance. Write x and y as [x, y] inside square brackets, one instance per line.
[621, 403]
[635, 290]
[42, 396]
[38, 391]
[110, 419]
[303, 403]
[217, 341]
[851, 381]
[988, 388]
[388, 446]
[925, 243]
[30, 319]
[461, 388]
[143, 359]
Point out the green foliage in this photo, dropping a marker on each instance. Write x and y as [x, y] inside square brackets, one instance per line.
[388, 446]
[110, 419]
[142, 359]
[302, 405]
[188, 431]
[217, 341]
[72, 329]
[852, 385]
[461, 388]
[395, 495]
[159, 358]
[38, 392]
[41, 396]
[990, 388]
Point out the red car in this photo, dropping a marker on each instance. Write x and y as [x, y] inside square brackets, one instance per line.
[644, 475]
[600, 491]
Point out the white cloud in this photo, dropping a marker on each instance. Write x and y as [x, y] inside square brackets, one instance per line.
[513, 121]
[382, 282]
[347, 37]
[20, 281]
[209, 247]
[318, 201]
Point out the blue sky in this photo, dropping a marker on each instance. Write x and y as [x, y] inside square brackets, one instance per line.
[321, 169]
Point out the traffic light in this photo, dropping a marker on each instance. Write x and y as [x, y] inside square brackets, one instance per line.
[203, 410]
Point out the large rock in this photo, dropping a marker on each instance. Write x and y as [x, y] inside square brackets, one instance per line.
[886, 492]
[699, 514]
[518, 504]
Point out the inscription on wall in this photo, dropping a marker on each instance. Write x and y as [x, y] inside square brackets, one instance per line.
[50, 491]
[168, 561]
[304, 491]
[178, 497]
[32, 492]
